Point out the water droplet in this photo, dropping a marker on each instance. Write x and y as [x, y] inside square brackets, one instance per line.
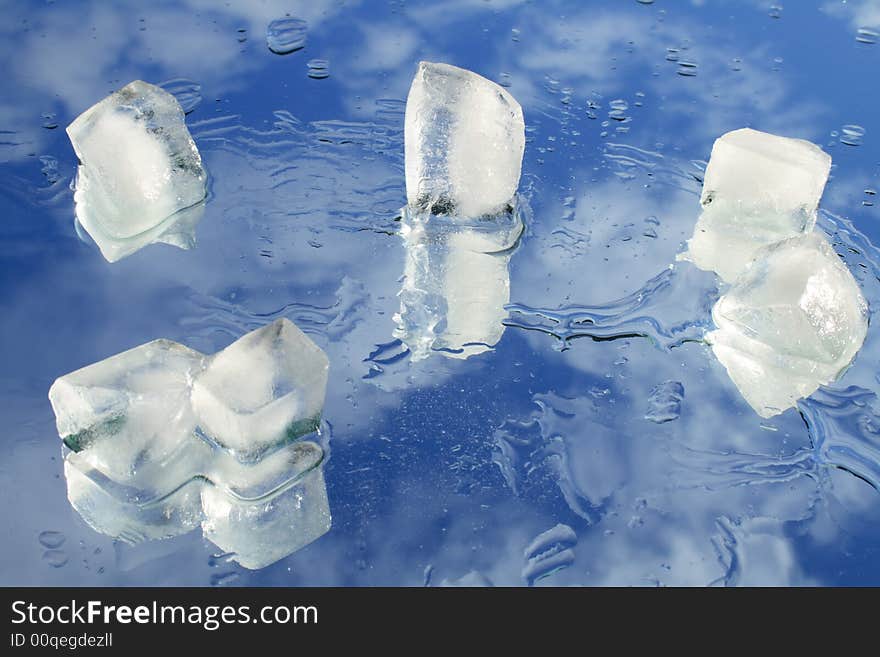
[549, 552]
[775, 11]
[867, 35]
[216, 559]
[736, 64]
[55, 558]
[49, 121]
[645, 2]
[504, 79]
[514, 34]
[851, 134]
[224, 579]
[51, 539]
[318, 69]
[664, 404]
[241, 34]
[50, 170]
[687, 69]
[286, 35]
[672, 54]
[635, 522]
[618, 110]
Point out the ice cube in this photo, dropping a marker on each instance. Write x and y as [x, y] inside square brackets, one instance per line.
[162, 438]
[266, 388]
[758, 189]
[456, 282]
[794, 320]
[140, 171]
[128, 422]
[464, 141]
[129, 408]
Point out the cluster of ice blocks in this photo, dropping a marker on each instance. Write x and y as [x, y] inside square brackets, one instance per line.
[140, 178]
[162, 438]
[794, 317]
[464, 142]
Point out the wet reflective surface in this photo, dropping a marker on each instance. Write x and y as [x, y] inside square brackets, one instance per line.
[595, 440]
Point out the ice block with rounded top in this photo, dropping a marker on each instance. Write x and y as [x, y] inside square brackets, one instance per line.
[464, 140]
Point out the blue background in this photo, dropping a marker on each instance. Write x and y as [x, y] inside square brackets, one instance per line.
[444, 471]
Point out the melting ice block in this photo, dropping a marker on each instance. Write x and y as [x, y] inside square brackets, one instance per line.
[286, 376]
[130, 408]
[162, 438]
[456, 282]
[140, 177]
[794, 320]
[758, 189]
[464, 141]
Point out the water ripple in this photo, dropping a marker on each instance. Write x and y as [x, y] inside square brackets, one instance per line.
[333, 320]
[627, 161]
[713, 470]
[302, 164]
[535, 456]
[844, 426]
[656, 311]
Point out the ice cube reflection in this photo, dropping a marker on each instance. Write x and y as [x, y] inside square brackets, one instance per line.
[456, 281]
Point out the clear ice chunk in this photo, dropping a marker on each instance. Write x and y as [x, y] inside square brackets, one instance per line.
[758, 189]
[140, 177]
[794, 320]
[129, 408]
[456, 282]
[286, 376]
[464, 140]
[147, 456]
